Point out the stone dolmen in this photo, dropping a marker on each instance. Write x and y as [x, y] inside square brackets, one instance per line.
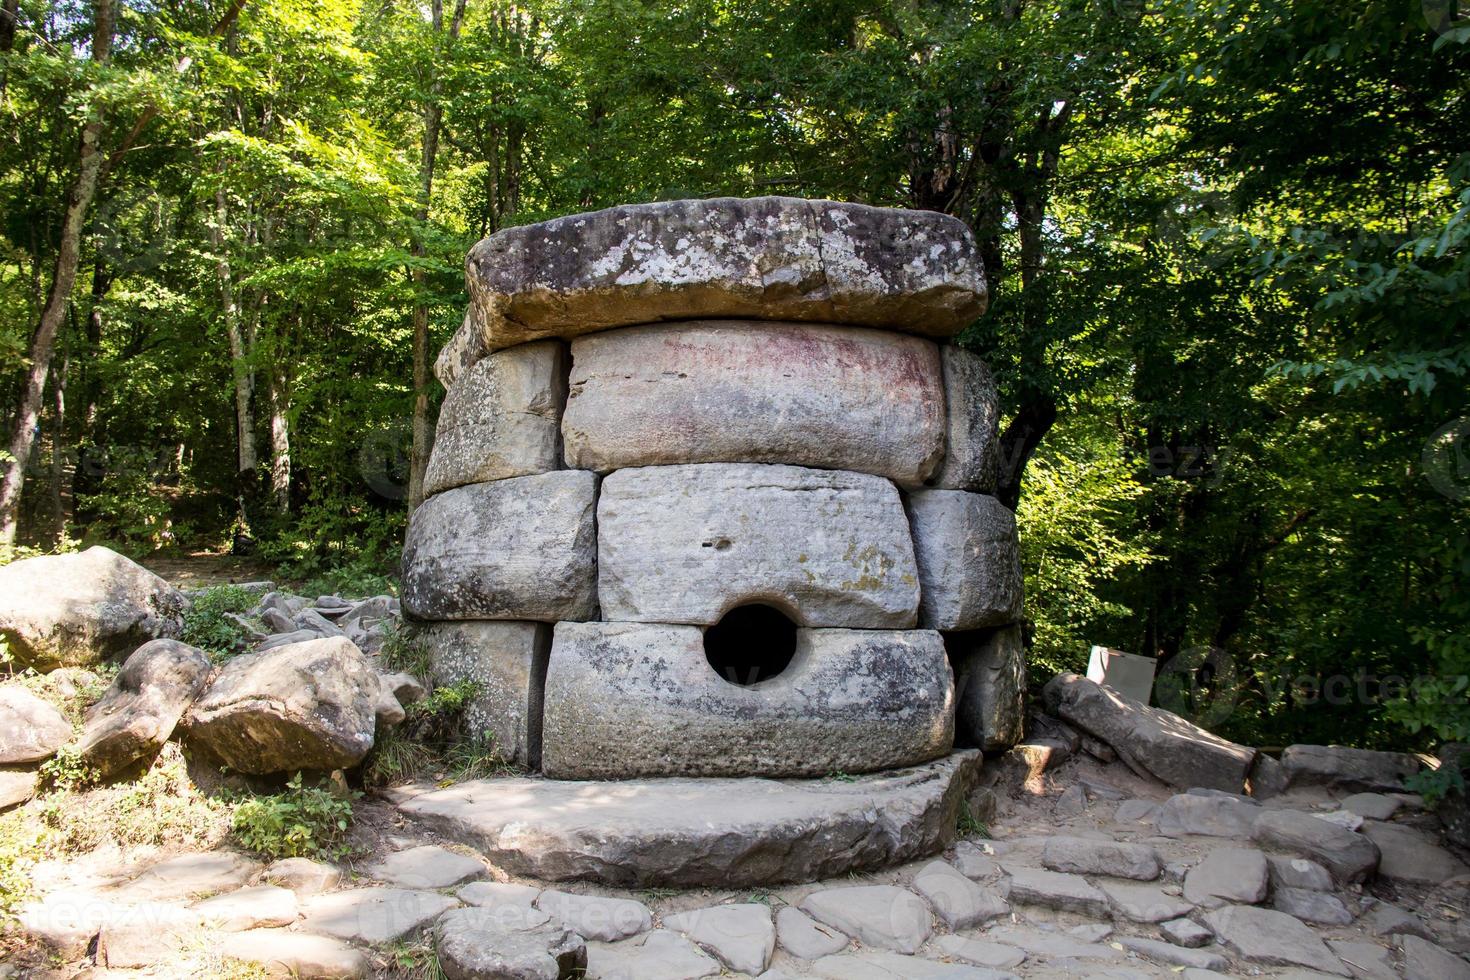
[710, 496]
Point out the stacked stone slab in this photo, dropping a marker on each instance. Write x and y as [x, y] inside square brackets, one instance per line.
[661, 413]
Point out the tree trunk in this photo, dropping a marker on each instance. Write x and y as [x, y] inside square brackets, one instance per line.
[423, 432]
[43, 341]
[9, 13]
[280, 404]
[240, 352]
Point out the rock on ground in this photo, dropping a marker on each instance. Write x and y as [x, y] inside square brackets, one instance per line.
[16, 786]
[303, 875]
[249, 908]
[522, 548]
[958, 901]
[972, 402]
[876, 915]
[426, 866]
[685, 544]
[969, 560]
[507, 944]
[1311, 906]
[1206, 816]
[501, 419]
[1144, 903]
[1409, 855]
[137, 715]
[1357, 769]
[78, 609]
[304, 706]
[1424, 960]
[779, 258]
[1228, 875]
[596, 917]
[31, 729]
[1349, 856]
[295, 954]
[189, 876]
[743, 937]
[1086, 856]
[977, 952]
[373, 915]
[699, 832]
[804, 937]
[990, 687]
[708, 392]
[627, 699]
[660, 955]
[1151, 741]
[1272, 938]
[1055, 890]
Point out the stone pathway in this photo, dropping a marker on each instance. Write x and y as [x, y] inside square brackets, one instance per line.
[1133, 882]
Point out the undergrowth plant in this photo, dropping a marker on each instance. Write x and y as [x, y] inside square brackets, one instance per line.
[208, 624]
[433, 742]
[303, 821]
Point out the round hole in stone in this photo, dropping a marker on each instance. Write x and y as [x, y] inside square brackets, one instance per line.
[750, 644]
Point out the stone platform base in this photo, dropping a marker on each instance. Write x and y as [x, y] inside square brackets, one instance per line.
[696, 832]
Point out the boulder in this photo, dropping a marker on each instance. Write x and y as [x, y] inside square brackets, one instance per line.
[523, 548]
[138, 713]
[685, 544]
[1349, 856]
[501, 419]
[1055, 890]
[1311, 906]
[16, 786]
[1206, 816]
[304, 706]
[1409, 855]
[1152, 742]
[31, 729]
[969, 560]
[779, 258]
[1144, 903]
[1236, 875]
[77, 609]
[507, 944]
[1086, 856]
[727, 833]
[1272, 938]
[628, 699]
[507, 662]
[1345, 768]
[1424, 960]
[972, 409]
[751, 392]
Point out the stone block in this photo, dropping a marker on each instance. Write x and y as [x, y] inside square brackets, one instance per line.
[969, 560]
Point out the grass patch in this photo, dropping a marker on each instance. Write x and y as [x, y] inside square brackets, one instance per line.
[433, 743]
[208, 623]
[403, 652]
[413, 960]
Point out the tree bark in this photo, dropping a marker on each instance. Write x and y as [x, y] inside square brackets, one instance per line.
[423, 433]
[43, 340]
[280, 405]
[240, 352]
[9, 14]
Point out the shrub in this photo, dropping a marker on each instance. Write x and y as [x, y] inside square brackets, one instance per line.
[402, 651]
[304, 821]
[207, 622]
[432, 741]
[18, 846]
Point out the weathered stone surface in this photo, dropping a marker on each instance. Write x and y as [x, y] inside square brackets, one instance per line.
[1272, 938]
[501, 419]
[1055, 890]
[507, 662]
[969, 560]
[1228, 875]
[804, 937]
[1311, 906]
[1372, 806]
[189, 876]
[876, 915]
[304, 706]
[1267, 778]
[596, 917]
[142, 935]
[523, 548]
[958, 901]
[1144, 903]
[303, 875]
[685, 544]
[1206, 816]
[1288, 872]
[1357, 769]
[16, 786]
[660, 955]
[146, 700]
[875, 965]
[74, 610]
[284, 953]
[426, 866]
[742, 936]
[977, 952]
[1350, 857]
[507, 943]
[1186, 933]
[775, 257]
[373, 915]
[1368, 961]
[990, 687]
[1151, 741]
[492, 893]
[31, 729]
[973, 861]
[1387, 920]
[1423, 960]
[1038, 944]
[972, 409]
[1408, 855]
[249, 908]
[628, 699]
[741, 391]
[1086, 856]
[1161, 952]
[690, 832]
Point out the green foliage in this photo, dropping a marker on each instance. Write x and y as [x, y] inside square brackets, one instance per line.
[303, 821]
[67, 771]
[208, 624]
[434, 742]
[404, 652]
[19, 845]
